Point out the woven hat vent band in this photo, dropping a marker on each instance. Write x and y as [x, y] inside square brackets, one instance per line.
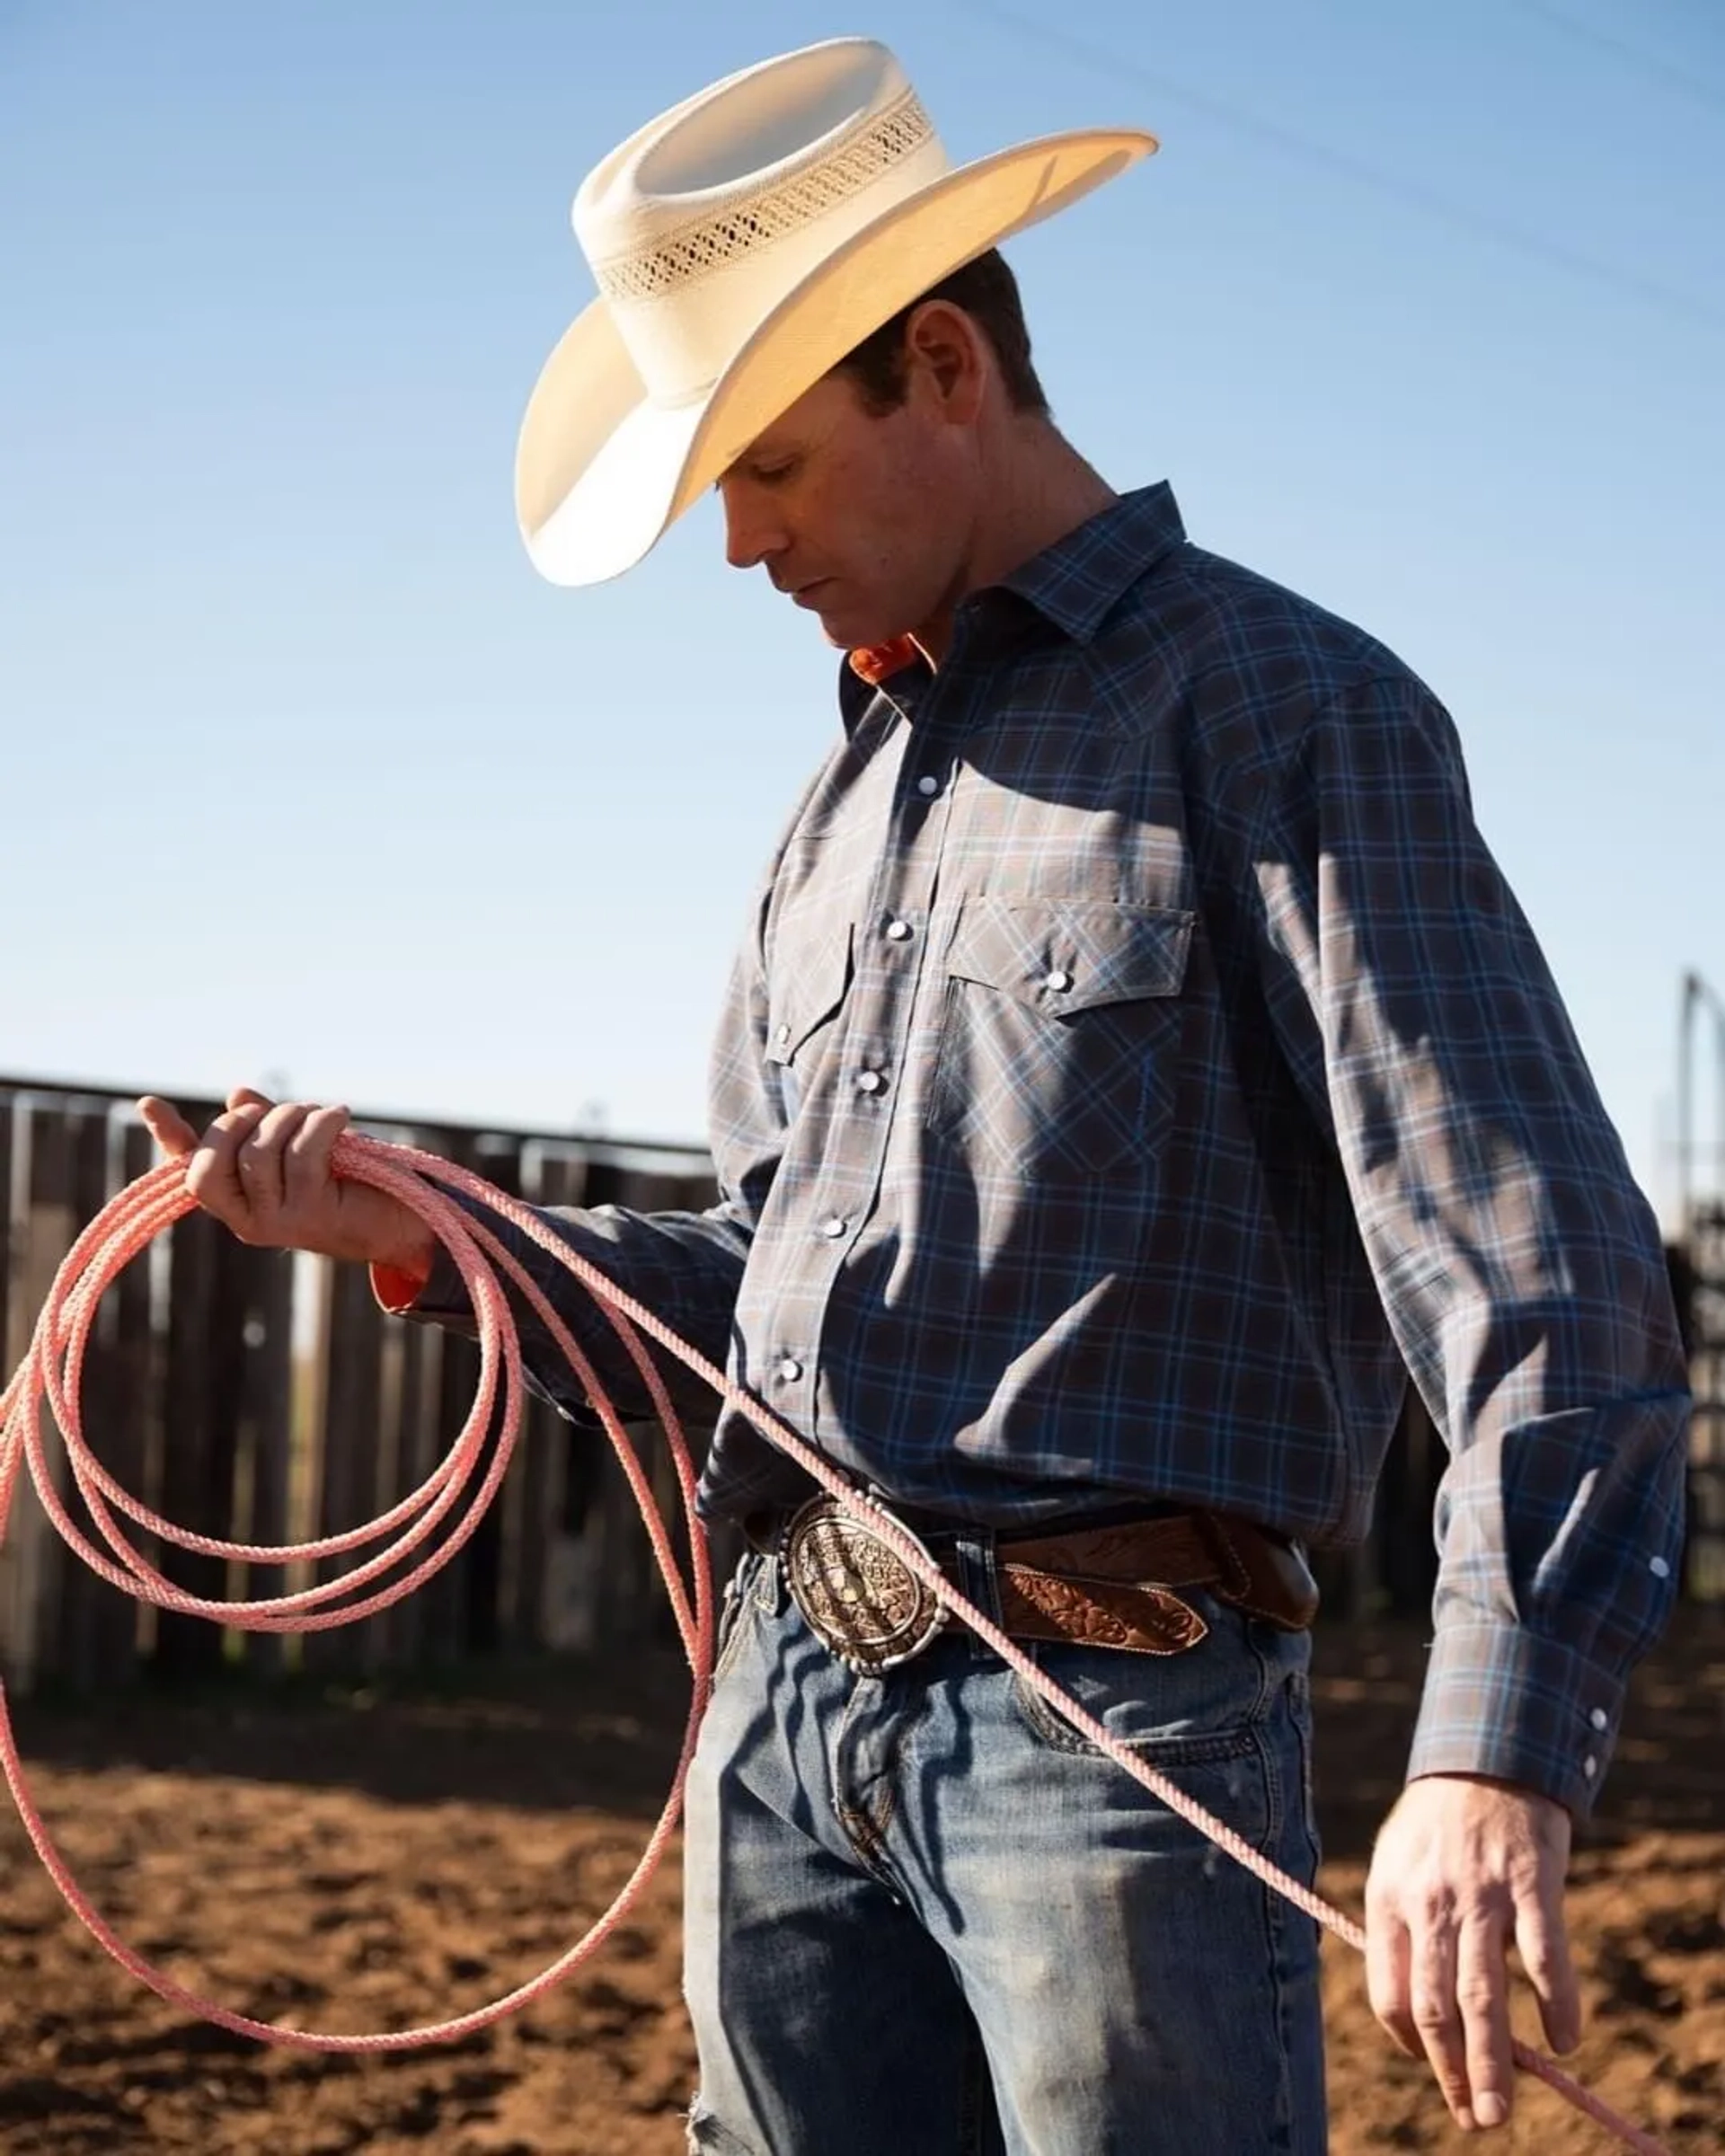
[782, 206]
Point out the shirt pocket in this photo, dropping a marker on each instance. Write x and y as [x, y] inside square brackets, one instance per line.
[1060, 1032]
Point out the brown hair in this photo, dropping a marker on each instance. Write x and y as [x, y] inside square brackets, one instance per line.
[987, 291]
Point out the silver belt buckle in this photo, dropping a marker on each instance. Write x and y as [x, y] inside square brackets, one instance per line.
[861, 1600]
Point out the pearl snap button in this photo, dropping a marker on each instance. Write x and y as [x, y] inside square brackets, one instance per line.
[928, 786]
[897, 931]
[1590, 1766]
[1657, 1566]
[833, 1226]
[869, 1082]
[1598, 1717]
[1059, 981]
[790, 1369]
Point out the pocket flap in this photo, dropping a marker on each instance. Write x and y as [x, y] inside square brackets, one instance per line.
[1070, 954]
[803, 996]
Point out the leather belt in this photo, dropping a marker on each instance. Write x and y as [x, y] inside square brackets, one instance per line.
[1113, 1585]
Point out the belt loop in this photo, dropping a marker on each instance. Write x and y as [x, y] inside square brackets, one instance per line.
[768, 1588]
[973, 1551]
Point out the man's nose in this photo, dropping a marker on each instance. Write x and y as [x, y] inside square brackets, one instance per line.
[751, 535]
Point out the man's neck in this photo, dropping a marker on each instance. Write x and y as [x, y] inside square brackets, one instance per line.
[1044, 493]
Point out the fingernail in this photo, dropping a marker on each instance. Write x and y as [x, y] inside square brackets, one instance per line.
[1490, 2111]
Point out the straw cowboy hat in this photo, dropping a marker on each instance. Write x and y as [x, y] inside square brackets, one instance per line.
[743, 244]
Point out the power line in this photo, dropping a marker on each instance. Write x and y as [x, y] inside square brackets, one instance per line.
[1601, 40]
[1359, 171]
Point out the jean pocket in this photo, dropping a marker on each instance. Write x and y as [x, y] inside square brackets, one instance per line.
[1171, 1710]
[1204, 1731]
[1060, 1032]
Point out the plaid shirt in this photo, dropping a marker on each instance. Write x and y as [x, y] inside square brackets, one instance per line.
[1136, 1067]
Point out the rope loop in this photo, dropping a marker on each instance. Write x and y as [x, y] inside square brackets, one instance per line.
[51, 1374]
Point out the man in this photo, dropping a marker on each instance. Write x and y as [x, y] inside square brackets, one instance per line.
[1136, 1067]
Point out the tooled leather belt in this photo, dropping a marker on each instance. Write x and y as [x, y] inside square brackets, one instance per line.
[1117, 1584]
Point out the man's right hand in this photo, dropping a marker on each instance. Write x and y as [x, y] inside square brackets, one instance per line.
[263, 1170]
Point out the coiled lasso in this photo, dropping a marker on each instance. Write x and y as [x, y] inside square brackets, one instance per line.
[51, 1373]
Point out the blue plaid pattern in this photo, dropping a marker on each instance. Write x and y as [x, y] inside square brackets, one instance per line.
[1137, 1067]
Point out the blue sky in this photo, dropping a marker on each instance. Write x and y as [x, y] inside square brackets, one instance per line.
[1422, 312]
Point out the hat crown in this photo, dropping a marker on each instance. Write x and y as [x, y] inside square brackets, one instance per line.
[704, 218]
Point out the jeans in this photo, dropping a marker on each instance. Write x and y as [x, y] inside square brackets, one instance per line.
[925, 1918]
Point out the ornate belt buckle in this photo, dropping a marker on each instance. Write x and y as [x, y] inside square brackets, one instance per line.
[861, 1600]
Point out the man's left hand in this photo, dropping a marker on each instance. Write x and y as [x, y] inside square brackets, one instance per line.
[1462, 1865]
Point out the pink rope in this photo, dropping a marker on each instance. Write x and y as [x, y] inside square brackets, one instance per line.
[51, 1373]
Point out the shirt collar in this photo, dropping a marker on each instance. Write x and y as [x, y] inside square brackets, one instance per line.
[1076, 582]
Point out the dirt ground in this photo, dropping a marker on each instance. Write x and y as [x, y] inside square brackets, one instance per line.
[371, 1858]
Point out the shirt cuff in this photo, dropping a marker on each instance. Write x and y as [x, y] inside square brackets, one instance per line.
[1503, 1701]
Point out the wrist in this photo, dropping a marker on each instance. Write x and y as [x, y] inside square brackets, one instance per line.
[1521, 1792]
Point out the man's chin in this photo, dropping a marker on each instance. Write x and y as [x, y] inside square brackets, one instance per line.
[850, 631]
[840, 610]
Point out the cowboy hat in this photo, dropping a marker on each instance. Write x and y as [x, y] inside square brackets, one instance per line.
[743, 244]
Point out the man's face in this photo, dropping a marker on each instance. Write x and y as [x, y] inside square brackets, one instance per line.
[863, 518]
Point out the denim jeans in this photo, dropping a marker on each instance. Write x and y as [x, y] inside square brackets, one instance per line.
[925, 1918]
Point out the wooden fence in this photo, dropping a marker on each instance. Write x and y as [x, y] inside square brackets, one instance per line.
[257, 1397]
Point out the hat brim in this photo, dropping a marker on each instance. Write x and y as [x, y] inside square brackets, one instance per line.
[601, 470]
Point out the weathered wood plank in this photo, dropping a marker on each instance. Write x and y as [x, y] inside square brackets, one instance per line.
[11, 1254]
[15, 1137]
[449, 1378]
[96, 1625]
[481, 1566]
[267, 1426]
[203, 1390]
[348, 1469]
[415, 1352]
[31, 1567]
[133, 1368]
[556, 1605]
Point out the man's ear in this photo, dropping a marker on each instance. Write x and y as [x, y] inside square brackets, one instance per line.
[944, 343]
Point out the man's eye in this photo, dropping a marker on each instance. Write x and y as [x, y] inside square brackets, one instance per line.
[770, 475]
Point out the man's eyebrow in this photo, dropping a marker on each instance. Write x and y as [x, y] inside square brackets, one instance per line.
[763, 453]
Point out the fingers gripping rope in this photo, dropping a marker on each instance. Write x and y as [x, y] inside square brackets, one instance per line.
[51, 1372]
